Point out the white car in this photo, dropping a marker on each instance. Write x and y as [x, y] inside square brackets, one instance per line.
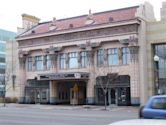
[140, 122]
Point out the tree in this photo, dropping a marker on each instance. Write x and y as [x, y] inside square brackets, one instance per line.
[106, 76]
[4, 81]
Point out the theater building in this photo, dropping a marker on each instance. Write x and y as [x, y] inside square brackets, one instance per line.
[70, 61]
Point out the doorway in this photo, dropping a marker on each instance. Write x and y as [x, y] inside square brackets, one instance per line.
[113, 96]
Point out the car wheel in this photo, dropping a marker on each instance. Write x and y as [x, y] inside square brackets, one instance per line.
[140, 112]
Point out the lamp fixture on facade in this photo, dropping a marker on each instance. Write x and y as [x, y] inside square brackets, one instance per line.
[156, 58]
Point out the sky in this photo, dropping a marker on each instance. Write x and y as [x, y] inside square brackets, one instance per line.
[11, 10]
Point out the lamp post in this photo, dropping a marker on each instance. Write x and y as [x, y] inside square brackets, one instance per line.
[156, 60]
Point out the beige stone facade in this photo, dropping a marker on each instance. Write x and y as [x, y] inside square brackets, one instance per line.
[63, 66]
[156, 40]
[12, 68]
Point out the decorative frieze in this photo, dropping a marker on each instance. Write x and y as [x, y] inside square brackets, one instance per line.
[84, 35]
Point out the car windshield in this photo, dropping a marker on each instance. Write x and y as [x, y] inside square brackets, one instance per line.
[159, 103]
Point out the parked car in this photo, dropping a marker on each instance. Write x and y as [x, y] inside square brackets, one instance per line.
[155, 108]
[140, 122]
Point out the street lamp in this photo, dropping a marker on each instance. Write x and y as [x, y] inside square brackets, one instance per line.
[156, 60]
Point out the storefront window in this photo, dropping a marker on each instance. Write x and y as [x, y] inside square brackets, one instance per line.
[160, 69]
[73, 61]
[112, 56]
[83, 59]
[100, 57]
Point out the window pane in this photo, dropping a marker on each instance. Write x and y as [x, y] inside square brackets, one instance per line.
[39, 63]
[100, 57]
[112, 56]
[48, 62]
[30, 64]
[62, 61]
[73, 61]
[83, 59]
[159, 103]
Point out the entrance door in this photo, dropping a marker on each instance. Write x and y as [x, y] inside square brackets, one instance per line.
[44, 96]
[113, 96]
[74, 95]
[38, 96]
[41, 96]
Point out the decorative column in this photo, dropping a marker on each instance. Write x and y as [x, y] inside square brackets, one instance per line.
[53, 92]
[45, 62]
[120, 55]
[79, 59]
[134, 71]
[91, 81]
[91, 48]
[33, 63]
[22, 74]
[105, 57]
[56, 61]
[67, 60]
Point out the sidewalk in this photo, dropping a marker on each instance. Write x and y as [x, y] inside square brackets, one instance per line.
[71, 107]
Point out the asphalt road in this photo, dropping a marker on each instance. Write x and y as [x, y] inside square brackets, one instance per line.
[47, 116]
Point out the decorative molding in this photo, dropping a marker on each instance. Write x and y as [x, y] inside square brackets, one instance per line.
[124, 41]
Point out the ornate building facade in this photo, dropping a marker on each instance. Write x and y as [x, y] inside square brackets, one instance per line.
[74, 60]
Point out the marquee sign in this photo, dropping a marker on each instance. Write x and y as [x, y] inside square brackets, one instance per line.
[63, 76]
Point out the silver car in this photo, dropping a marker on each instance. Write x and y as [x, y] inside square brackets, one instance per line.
[140, 122]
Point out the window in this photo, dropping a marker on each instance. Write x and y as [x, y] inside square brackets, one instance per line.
[73, 61]
[2, 68]
[112, 56]
[62, 61]
[2, 58]
[159, 103]
[2, 47]
[125, 55]
[48, 62]
[30, 64]
[100, 57]
[83, 59]
[39, 62]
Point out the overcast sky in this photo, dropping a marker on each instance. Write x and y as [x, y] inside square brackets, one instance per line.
[11, 10]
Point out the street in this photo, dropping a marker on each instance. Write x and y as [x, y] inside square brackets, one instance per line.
[45, 115]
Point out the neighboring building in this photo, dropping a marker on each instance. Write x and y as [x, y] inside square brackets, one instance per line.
[63, 61]
[12, 69]
[4, 37]
[156, 54]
